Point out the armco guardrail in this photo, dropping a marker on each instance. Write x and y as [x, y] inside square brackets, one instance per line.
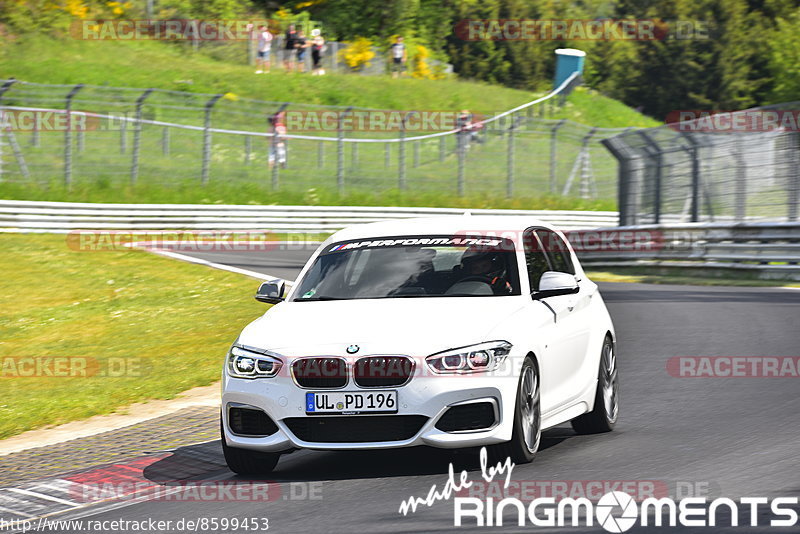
[62, 217]
[768, 250]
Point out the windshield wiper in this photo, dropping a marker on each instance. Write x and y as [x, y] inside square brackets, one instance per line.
[300, 299]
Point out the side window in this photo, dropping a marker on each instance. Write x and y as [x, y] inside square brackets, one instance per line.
[557, 251]
[535, 259]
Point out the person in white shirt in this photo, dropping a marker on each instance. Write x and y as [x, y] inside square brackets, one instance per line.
[264, 47]
[399, 57]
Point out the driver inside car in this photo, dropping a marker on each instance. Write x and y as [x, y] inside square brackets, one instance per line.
[489, 266]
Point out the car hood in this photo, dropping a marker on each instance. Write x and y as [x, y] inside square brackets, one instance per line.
[413, 326]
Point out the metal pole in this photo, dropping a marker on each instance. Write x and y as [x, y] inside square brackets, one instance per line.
[656, 152]
[207, 139]
[5, 87]
[123, 136]
[510, 158]
[12, 139]
[793, 189]
[695, 206]
[461, 150]
[623, 176]
[68, 136]
[340, 150]
[553, 138]
[165, 141]
[137, 135]
[442, 148]
[320, 154]
[401, 163]
[740, 201]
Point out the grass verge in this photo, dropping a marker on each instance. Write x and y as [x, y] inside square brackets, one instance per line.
[261, 194]
[139, 326]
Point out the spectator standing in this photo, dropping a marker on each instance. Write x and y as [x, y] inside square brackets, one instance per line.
[317, 51]
[277, 146]
[300, 44]
[264, 49]
[288, 47]
[399, 57]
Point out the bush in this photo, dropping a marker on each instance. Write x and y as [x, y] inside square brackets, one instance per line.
[358, 53]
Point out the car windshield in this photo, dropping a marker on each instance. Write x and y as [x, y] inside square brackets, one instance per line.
[412, 266]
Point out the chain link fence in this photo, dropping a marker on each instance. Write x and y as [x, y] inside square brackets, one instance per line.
[112, 137]
[727, 167]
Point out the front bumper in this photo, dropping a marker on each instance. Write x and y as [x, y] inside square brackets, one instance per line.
[428, 396]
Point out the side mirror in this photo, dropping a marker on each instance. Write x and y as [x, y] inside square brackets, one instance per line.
[553, 284]
[271, 292]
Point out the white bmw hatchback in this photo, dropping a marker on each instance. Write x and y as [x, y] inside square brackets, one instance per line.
[447, 332]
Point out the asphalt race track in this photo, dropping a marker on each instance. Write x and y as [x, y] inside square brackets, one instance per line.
[731, 437]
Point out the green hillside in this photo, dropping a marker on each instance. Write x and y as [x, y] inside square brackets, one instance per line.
[148, 64]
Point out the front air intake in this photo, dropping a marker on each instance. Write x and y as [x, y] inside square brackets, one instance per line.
[320, 373]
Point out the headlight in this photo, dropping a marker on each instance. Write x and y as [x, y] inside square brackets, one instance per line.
[243, 363]
[473, 359]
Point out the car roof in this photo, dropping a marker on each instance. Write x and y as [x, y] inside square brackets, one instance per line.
[442, 225]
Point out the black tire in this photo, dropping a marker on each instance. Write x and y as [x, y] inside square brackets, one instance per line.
[246, 461]
[527, 432]
[605, 412]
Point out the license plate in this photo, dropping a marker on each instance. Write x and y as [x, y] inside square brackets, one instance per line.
[345, 402]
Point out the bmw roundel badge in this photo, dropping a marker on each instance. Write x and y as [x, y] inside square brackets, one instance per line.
[352, 349]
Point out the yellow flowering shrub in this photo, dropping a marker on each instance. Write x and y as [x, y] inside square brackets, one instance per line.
[358, 53]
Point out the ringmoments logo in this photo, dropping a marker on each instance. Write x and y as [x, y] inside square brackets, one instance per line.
[615, 510]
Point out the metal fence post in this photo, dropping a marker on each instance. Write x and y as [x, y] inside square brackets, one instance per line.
[656, 152]
[340, 150]
[123, 135]
[510, 158]
[740, 198]
[553, 139]
[207, 138]
[623, 176]
[165, 141]
[695, 203]
[401, 159]
[320, 154]
[137, 135]
[68, 136]
[6, 86]
[793, 189]
[461, 150]
[12, 139]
